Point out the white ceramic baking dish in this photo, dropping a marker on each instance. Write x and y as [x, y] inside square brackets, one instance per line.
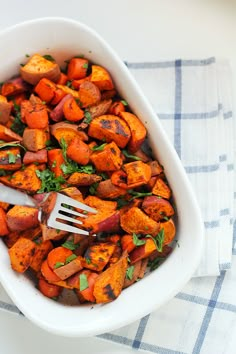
[63, 38]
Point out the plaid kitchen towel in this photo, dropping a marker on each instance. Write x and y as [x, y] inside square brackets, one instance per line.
[193, 100]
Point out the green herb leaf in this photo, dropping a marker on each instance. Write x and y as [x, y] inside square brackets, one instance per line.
[3, 145]
[99, 147]
[87, 260]
[83, 282]
[138, 194]
[58, 265]
[125, 103]
[64, 148]
[48, 57]
[129, 156]
[85, 65]
[71, 258]
[17, 126]
[130, 272]
[121, 202]
[11, 157]
[93, 188]
[88, 117]
[137, 241]
[158, 240]
[49, 181]
[70, 245]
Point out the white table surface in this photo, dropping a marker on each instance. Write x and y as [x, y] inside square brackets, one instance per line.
[138, 31]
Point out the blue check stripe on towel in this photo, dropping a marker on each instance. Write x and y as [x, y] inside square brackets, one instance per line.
[201, 318]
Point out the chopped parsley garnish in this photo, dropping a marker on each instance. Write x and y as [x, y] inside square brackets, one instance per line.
[129, 156]
[3, 144]
[99, 147]
[83, 282]
[85, 65]
[93, 188]
[88, 118]
[155, 263]
[71, 258]
[158, 240]
[121, 202]
[137, 241]
[130, 272]
[48, 57]
[87, 260]
[49, 181]
[70, 245]
[58, 265]
[125, 103]
[18, 126]
[138, 194]
[12, 158]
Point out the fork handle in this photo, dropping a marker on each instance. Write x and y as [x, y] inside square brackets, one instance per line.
[12, 196]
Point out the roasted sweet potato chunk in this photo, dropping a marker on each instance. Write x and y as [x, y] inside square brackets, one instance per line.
[101, 78]
[138, 130]
[110, 128]
[138, 173]
[98, 255]
[22, 218]
[108, 284]
[161, 189]
[35, 139]
[83, 179]
[7, 134]
[10, 159]
[21, 254]
[108, 159]
[157, 208]
[5, 110]
[41, 251]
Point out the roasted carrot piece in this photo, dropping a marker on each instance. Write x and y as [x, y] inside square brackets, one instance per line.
[169, 231]
[35, 139]
[108, 284]
[58, 96]
[157, 208]
[87, 293]
[3, 223]
[101, 78]
[21, 254]
[110, 128]
[127, 243]
[40, 156]
[138, 130]
[22, 218]
[136, 221]
[49, 290]
[78, 151]
[77, 68]
[41, 252]
[72, 111]
[89, 94]
[7, 134]
[116, 108]
[76, 83]
[37, 116]
[48, 273]
[55, 160]
[161, 189]
[45, 89]
[138, 173]
[57, 257]
[62, 79]
[107, 159]
[10, 159]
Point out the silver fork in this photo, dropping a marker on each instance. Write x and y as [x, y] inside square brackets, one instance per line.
[62, 205]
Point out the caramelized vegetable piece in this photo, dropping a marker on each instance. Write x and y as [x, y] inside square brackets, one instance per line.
[13, 236]
[49, 290]
[127, 243]
[78, 151]
[169, 231]
[138, 131]
[116, 108]
[136, 221]
[8, 135]
[37, 68]
[58, 256]
[55, 161]
[25, 180]
[36, 116]
[156, 168]
[40, 156]
[5, 110]
[142, 251]
[49, 233]
[161, 189]
[41, 251]
[10, 160]
[35, 139]
[110, 128]
[72, 111]
[88, 94]
[48, 273]
[108, 284]
[77, 68]
[4, 230]
[83, 179]
[100, 108]
[21, 218]
[97, 256]
[14, 87]
[67, 131]
[107, 190]
[157, 208]
[57, 113]
[65, 271]
[101, 78]
[45, 89]
[74, 193]
[100, 204]
[107, 159]
[132, 276]
[87, 294]
[138, 173]
[21, 254]
[69, 90]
